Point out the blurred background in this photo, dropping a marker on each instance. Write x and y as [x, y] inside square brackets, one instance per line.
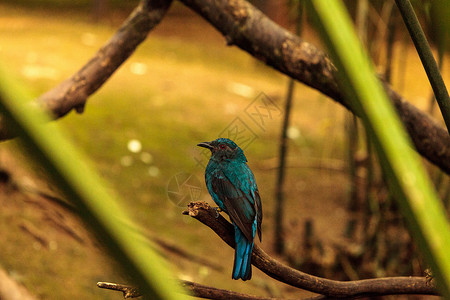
[183, 86]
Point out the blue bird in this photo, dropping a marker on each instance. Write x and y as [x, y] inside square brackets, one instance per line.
[233, 188]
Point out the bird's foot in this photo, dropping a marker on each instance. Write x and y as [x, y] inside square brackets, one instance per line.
[218, 210]
[429, 276]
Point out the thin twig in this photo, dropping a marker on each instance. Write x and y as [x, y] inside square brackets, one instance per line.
[128, 291]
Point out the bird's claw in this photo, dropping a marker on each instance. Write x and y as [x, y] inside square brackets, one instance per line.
[218, 210]
[429, 276]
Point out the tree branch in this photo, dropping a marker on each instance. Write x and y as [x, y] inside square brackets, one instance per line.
[248, 28]
[208, 292]
[197, 290]
[128, 291]
[330, 288]
[74, 91]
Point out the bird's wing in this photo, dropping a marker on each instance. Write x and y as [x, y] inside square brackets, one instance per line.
[238, 192]
[258, 212]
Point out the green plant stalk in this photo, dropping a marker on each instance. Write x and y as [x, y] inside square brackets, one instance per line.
[279, 241]
[405, 173]
[427, 58]
[97, 207]
[390, 41]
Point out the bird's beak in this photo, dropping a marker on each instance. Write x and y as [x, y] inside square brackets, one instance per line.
[206, 145]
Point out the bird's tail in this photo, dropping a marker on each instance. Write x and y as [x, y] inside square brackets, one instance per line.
[242, 256]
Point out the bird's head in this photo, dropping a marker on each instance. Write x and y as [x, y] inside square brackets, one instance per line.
[224, 149]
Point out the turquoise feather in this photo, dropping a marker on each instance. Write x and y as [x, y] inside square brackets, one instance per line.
[233, 188]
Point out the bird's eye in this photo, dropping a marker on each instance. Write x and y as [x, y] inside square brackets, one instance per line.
[222, 147]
